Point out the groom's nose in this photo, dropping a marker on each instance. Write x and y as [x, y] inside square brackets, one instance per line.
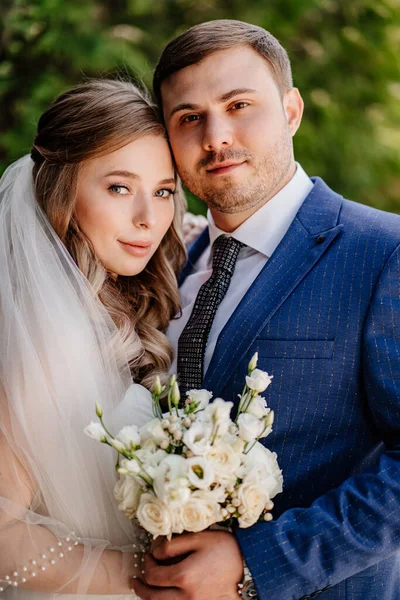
[217, 133]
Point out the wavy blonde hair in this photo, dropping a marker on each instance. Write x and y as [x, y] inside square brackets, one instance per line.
[90, 120]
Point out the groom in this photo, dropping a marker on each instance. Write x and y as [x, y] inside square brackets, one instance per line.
[313, 285]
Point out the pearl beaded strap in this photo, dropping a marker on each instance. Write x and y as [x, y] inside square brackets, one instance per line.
[29, 572]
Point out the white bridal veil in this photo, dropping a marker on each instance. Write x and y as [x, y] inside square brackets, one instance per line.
[56, 361]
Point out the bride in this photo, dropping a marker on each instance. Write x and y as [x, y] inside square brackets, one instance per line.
[89, 247]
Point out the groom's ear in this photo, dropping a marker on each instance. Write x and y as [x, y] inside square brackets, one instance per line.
[293, 106]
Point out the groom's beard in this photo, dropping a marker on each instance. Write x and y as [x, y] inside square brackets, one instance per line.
[230, 196]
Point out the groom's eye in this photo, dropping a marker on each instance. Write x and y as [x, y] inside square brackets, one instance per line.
[240, 105]
[190, 118]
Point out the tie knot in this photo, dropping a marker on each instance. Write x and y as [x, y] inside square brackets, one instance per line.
[225, 251]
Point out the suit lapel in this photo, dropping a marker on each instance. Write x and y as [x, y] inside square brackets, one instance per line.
[308, 238]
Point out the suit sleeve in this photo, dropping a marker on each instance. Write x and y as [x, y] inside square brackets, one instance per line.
[357, 524]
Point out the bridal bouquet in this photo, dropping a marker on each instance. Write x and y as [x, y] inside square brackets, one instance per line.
[193, 466]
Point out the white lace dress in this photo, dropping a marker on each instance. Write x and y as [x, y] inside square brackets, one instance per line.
[135, 409]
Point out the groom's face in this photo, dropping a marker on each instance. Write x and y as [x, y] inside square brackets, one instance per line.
[230, 128]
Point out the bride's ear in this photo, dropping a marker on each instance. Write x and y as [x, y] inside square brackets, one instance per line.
[293, 105]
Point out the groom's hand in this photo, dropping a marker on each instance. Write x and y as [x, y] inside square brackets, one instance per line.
[211, 567]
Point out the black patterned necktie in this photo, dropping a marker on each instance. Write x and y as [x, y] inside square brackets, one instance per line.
[193, 339]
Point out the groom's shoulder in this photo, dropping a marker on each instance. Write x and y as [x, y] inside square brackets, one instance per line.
[357, 219]
[370, 223]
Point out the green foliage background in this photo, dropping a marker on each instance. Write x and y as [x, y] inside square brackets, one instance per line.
[345, 56]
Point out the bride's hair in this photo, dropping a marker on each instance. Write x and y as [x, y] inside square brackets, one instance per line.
[90, 120]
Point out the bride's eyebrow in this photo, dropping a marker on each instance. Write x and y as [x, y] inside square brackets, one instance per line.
[167, 182]
[123, 174]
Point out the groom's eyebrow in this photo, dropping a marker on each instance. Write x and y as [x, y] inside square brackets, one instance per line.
[224, 98]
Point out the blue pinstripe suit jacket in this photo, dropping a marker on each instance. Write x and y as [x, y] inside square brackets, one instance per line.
[324, 317]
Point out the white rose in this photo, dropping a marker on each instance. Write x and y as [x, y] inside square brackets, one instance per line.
[200, 472]
[127, 492]
[258, 407]
[203, 397]
[171, 482]
[198, 437]
[250, 427]
[201, 511]
[154, 515]
[96, 432]
[253, 499]
[153, 431]
[225, 462]
[258, 381]
[260, 465]
[129, 436]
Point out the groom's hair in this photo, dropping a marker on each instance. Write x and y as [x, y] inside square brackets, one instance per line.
[206, 38]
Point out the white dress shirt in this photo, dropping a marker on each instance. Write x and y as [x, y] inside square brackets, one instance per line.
[262, 233]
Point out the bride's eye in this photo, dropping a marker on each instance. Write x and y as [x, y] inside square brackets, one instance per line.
[164, 193]
[120, 190]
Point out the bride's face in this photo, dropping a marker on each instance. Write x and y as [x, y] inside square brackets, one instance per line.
[125, 203]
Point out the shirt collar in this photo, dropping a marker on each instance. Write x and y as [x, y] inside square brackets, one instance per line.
[264, 229]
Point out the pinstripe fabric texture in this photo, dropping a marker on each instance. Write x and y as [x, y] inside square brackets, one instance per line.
[324, 317]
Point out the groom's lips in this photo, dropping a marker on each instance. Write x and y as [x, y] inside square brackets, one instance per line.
[225, 167]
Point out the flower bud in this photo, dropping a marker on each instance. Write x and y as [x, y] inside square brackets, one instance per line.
[157, 386]
[268, 517]
[119, 446]
[99, 411]
[164, 444]
[172, 381]
[253, 362]
[175, 396]
[269, 419]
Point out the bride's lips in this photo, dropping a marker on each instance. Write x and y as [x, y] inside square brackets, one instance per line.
[137, 248]
[225, 167]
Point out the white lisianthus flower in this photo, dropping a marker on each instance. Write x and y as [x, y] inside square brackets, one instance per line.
[225, 462]
[96, 431]
[127, 492]
[260, 466]
[151, 456]
[258, 407]
[250, 427]
[154, 516]
[253, 499]
[201, 511]
[234, 442]
[130, 465]
[169, 480]
[258, 381]
[198, 437]
[153, 431]
[203, 397]
[129, 436]
[200, 472]
[218, 413]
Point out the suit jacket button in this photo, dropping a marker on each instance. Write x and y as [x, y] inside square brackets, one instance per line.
[320, 239]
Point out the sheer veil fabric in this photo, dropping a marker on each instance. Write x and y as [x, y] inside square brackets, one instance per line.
[57, 360]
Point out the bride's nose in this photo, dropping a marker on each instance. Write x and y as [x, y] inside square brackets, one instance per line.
[144, 216]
